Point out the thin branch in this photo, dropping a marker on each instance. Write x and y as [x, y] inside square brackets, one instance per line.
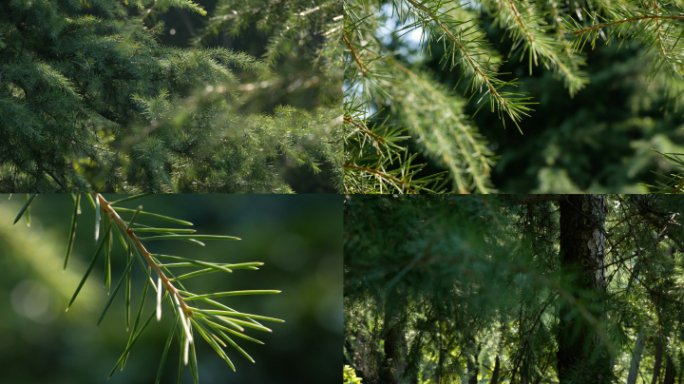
[645, 17]
[378, 139]
[471, 61]
[356, 55]
[136, 241]
[382, 175]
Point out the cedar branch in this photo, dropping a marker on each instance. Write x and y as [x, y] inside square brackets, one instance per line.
[136, 241]
[381, 175]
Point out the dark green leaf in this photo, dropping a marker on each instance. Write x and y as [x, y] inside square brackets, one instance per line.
[90, 267]
[193, 364]
[164, 230]
[124, 356]
[25, 207]
[166, 351]
[72, 229]
[135, 216]
[154, 215]
[190, 237]
[233, 293]
[126, 276]
[129, 198]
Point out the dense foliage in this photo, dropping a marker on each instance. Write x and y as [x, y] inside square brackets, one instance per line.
[92, 98]
[448, 289]
[587, 92]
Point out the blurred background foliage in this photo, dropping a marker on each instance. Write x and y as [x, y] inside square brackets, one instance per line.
[291, 86]
[298, 237]
[601, 140]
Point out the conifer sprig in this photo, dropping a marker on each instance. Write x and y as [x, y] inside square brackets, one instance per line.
[656, 25]
[216, 326]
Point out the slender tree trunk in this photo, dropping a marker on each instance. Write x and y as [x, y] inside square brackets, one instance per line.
[582, 357]
[495, 375]
[473, 370]
[658, 359]
[440, 366]
[636, 357]
[670, 372]
[396, 347]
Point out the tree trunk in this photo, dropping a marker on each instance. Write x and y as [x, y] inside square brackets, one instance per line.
[395, 354]
[396, 347]
[440, 366]
[473, 370]
[582, 357]
[495, 375]
[658, 359]
[670, 372]
[636, 357]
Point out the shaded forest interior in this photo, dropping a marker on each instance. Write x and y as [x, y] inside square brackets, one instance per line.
[514, 289]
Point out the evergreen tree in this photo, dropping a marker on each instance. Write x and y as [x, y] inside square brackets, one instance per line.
[514, 289]
[92, 100]
[420, 72]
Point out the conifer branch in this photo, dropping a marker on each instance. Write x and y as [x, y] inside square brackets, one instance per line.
[356, 55]
[629, 20]
[106, 208]
[383, 175]
[513, 107]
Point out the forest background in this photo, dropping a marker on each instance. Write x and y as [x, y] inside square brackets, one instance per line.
[514, 289]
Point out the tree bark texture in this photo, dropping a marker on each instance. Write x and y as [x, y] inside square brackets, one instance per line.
[582, 357]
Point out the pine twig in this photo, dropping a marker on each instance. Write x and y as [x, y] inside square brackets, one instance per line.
[136, 241]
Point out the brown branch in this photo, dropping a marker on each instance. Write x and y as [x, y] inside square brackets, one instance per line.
[136, 241]
[645, 17]
[356, 55]
[367, 131]
[382, 175]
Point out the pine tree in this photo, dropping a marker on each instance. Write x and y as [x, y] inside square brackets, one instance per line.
[91, 100]
[408, 129]
[515, 289]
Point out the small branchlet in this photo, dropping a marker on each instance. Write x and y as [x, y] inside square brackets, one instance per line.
[217, 324]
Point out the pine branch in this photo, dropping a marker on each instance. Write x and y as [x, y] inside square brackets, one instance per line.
[106, 208]
[510, 103]
[401, 185]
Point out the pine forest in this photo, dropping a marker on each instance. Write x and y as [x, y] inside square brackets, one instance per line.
[514, 289]
[127, 96]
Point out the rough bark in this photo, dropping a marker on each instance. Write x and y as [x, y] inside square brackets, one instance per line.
[636, 357]
[582, 357]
